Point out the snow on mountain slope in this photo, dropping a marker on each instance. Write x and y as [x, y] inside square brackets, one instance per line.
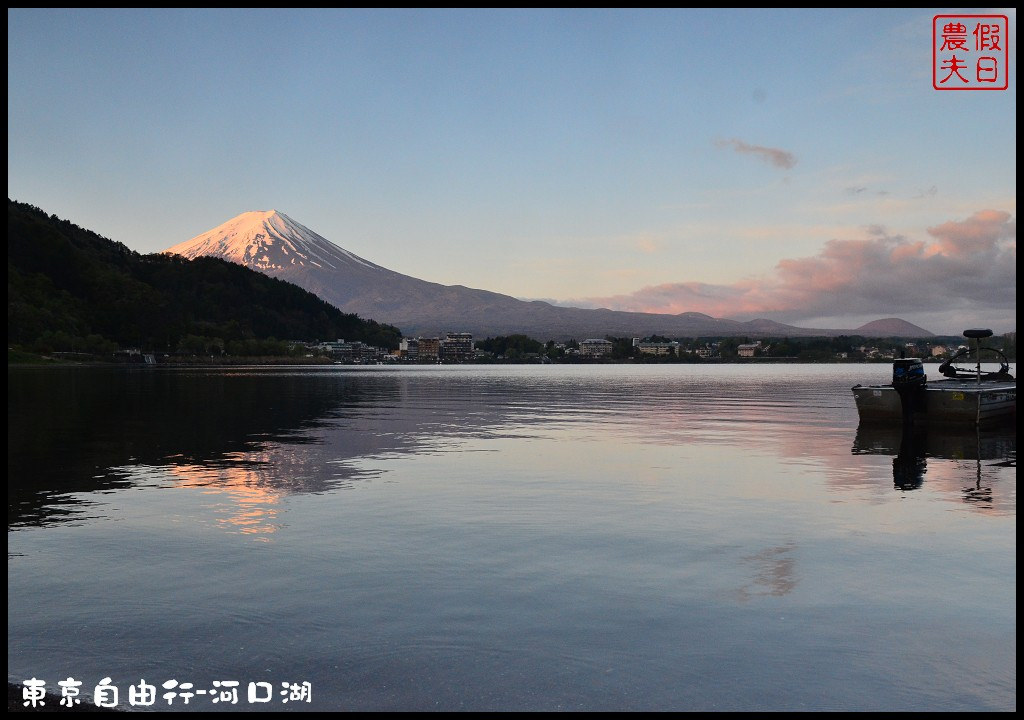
[268, 240]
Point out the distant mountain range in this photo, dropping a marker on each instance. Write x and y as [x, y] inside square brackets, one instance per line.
[274, 244]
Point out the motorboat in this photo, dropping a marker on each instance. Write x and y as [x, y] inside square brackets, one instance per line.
[964, 395]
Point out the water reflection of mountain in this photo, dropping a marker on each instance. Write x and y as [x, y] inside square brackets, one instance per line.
[951, 457]
[70, 429]
[82, 430]
[258, 435]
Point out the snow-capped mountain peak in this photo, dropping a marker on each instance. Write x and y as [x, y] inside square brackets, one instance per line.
[268, 240]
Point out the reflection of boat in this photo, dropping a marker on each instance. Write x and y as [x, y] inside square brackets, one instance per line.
[964, 397]
[910, 447]
[944, 442]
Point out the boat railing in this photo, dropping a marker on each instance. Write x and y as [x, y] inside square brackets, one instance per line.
[950, 370]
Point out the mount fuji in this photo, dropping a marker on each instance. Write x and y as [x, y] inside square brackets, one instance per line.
[274, 244]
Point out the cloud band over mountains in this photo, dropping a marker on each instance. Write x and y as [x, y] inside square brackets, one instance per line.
[963, 265]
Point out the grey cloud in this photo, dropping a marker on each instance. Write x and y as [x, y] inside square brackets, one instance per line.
[779, 158]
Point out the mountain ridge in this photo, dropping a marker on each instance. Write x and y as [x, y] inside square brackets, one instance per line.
[275, 244]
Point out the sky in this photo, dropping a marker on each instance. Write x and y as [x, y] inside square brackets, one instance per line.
[789, 164]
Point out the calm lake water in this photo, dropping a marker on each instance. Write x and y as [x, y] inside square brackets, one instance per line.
[507, 538]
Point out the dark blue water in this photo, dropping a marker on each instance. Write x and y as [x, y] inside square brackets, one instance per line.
[507, 538]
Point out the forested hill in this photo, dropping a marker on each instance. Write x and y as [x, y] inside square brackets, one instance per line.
[67, 286]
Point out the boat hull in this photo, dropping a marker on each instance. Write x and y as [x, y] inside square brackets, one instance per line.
[955, 402]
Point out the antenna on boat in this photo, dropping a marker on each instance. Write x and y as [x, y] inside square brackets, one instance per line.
[977, 334]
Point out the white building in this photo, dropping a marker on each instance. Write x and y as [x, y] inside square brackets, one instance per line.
[748, 350]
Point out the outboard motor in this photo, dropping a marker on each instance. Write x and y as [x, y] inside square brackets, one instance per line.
[909, 380]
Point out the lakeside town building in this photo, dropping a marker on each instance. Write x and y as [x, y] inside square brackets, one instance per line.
[658, 349]
[351, 352]
[454, 347]
[748, 349]
[429, 350]
[408, 349]
[457, 347]
[594, 347]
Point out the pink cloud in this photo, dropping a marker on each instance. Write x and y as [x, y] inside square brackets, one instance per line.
[978, 234]
[969, 265]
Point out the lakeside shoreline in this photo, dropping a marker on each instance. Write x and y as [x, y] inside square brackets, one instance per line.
[44, 361]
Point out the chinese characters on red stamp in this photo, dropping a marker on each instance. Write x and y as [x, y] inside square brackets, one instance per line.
[970, 52]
